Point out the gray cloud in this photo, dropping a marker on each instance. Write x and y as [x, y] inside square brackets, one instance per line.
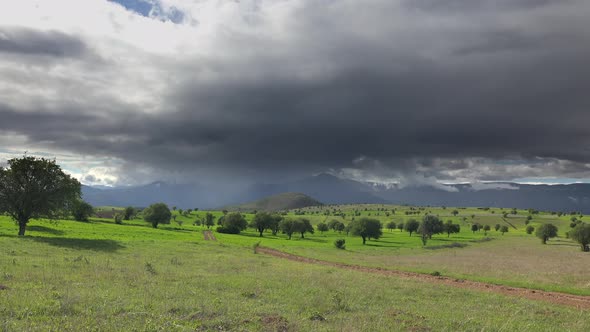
[449, 90]
[33, 42]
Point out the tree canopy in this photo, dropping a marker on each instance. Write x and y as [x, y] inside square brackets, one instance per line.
[32, 188]
[546, 231]
[81, 210]
[157, 213]
[366, 228]
[581, 234]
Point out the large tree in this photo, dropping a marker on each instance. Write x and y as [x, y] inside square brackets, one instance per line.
[32, 188]
[233, 223]
[157, 213]
[366, 228]
[581, 234]
[262, 221]
[546, 231]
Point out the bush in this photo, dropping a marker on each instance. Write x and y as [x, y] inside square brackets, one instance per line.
[530, 229]
[118, 219]
[227, 230]
[340, 244]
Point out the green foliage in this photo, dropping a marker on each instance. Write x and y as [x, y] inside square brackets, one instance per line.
[451, 228]
[475, 228]
[366, 228]
[209, 220]
[391, 226]
[81, 210]
[233, 223]
[504, 229]
[340, 243]
[157, 213]
[129, 213]
[262, 221]
[400, 226]
[581, 234]
[486, 229]
[546, 231]
[411, 226]
[299, 225]
[32, 188]
[430, 225]
[322, 227]
[497, 227]
[118, 219]
[530, 229]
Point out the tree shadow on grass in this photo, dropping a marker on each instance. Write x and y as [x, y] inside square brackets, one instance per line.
[105, 245]
[44, 229]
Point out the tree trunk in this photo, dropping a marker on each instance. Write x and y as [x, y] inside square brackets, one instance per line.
[303, 237]
[364, 239]
[544, 240]
[261, 231]
[21, 228]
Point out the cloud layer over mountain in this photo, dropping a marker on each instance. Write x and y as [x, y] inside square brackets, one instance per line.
[394, 90]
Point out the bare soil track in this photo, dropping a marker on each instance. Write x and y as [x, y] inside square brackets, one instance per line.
[577, 301]
[209, 236]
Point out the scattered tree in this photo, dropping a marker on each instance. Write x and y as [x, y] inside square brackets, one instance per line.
[411, 226]
[400, 226]
[302, 225]
[486, 229]
[455, 213]
[451, 228]
[261, 221]
[366, 228]
[322, 227]
[129, 213]
[431, 225]
[497, 227]
[81, 210]
[209, 220]
[503, 229]
[233, 223]
[287, 227]
[391, 226]
[32, 188]
[581, 234]
[530, 229]
[546, 231]
[157, 213]
[474, 228]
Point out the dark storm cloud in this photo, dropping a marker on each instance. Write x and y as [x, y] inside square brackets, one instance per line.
[405, 89]
[33, 42]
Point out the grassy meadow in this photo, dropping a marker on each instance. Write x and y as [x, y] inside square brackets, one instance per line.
[101, 276]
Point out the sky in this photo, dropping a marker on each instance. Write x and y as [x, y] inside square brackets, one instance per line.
[408, 91]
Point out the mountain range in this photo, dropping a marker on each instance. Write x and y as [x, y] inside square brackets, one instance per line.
[330, 189]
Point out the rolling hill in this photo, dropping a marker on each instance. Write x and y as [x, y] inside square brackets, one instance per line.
[279, 202]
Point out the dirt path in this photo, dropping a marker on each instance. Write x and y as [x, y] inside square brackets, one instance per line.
[209, 236]
[577, 301]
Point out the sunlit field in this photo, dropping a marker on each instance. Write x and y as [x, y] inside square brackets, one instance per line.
[103, 276]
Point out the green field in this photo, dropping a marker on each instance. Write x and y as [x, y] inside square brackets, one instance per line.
[100, 276]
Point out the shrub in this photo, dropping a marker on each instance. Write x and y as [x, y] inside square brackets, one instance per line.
[118, 219]
[340, 244]
[530, 229]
